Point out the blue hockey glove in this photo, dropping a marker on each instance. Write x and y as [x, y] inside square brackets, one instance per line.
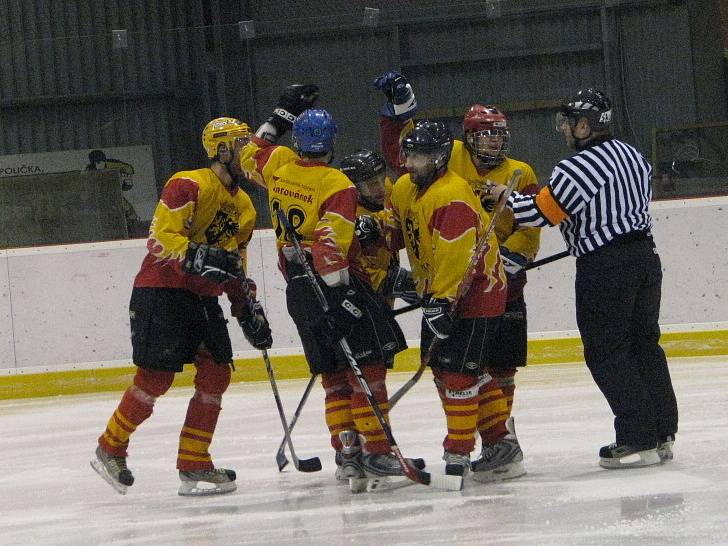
[401, 102]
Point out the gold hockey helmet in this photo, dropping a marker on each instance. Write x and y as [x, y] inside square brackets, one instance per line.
[224, 131]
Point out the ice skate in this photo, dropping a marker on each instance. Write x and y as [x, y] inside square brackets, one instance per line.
[386, 464]
[624, 456]
[348, 466]
[664, 448]
[348, 460]
[197, 483]
[113, 470]
[456, 464]
[502, 460]
[382, 472]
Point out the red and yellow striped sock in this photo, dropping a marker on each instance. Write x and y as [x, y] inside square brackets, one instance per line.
[366, 422]
[459, 397]
[492, 412]
[135, 407]
[197, 432]
[337, 399]
[507, 383]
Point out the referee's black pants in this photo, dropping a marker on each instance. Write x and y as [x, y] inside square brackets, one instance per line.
[617, 310]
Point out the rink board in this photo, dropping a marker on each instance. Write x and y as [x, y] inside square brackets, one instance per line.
[541, 351]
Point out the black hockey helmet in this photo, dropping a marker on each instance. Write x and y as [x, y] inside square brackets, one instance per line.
[591, 104]
[429, 137]
[362, 165]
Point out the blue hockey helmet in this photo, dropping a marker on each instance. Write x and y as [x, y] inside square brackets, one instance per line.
[314, 132]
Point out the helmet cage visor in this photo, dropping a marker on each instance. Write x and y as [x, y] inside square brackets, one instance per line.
[488, 143]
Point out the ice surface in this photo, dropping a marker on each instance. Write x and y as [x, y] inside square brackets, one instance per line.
[50, 494]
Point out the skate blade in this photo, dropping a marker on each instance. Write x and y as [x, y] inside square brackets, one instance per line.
[509, 472]
[665, 452]
[446, 482]
[100, 469]
[636, 460]
[203, 489]
[378, 485]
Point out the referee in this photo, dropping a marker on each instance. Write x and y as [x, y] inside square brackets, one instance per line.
[600, 198]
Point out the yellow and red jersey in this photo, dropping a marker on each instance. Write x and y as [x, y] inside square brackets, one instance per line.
[440, 228]
[511, 235]
[319, 201]
[194, 206]
[391, 133]
[259, 159]
[524, 240]
[376, 258]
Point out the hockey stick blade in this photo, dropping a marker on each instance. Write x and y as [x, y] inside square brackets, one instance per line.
[281, 459]
[446, 482]
[302, 465]
[377, 485]
[308, 465]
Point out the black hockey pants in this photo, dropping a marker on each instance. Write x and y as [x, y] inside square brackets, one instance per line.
[617, 309]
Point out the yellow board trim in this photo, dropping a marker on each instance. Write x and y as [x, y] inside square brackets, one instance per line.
[540, 351]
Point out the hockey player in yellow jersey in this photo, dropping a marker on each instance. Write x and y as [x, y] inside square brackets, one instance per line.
[320, 203]
[367, 170]
[196, 251]
[481, 159]
[438, 219]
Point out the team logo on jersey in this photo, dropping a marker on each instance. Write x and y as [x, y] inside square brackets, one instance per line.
[412, 230]
[223, 226]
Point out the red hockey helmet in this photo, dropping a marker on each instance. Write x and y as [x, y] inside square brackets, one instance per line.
[486, 134]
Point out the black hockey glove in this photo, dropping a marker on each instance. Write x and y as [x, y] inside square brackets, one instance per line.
[344, 312]
[212, 263]
[400, 284]
[366, 229]
[255, 327]
[436, 312]
[401, 102]
[513, 262]
[295, 99]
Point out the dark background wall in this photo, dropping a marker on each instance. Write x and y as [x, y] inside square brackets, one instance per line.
[65, 85]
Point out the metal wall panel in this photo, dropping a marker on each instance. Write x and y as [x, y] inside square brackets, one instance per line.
[63, 85]
[657, 71]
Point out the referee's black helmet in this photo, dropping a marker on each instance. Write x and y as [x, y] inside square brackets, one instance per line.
[591, 104]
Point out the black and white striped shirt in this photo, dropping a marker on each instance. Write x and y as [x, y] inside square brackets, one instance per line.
[596, 195]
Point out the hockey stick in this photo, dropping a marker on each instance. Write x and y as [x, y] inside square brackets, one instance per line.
[280, 455]
[463, 288]
[407, 308]
[547, 260]
[413, 473]
[302, 465]
[532, 265]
